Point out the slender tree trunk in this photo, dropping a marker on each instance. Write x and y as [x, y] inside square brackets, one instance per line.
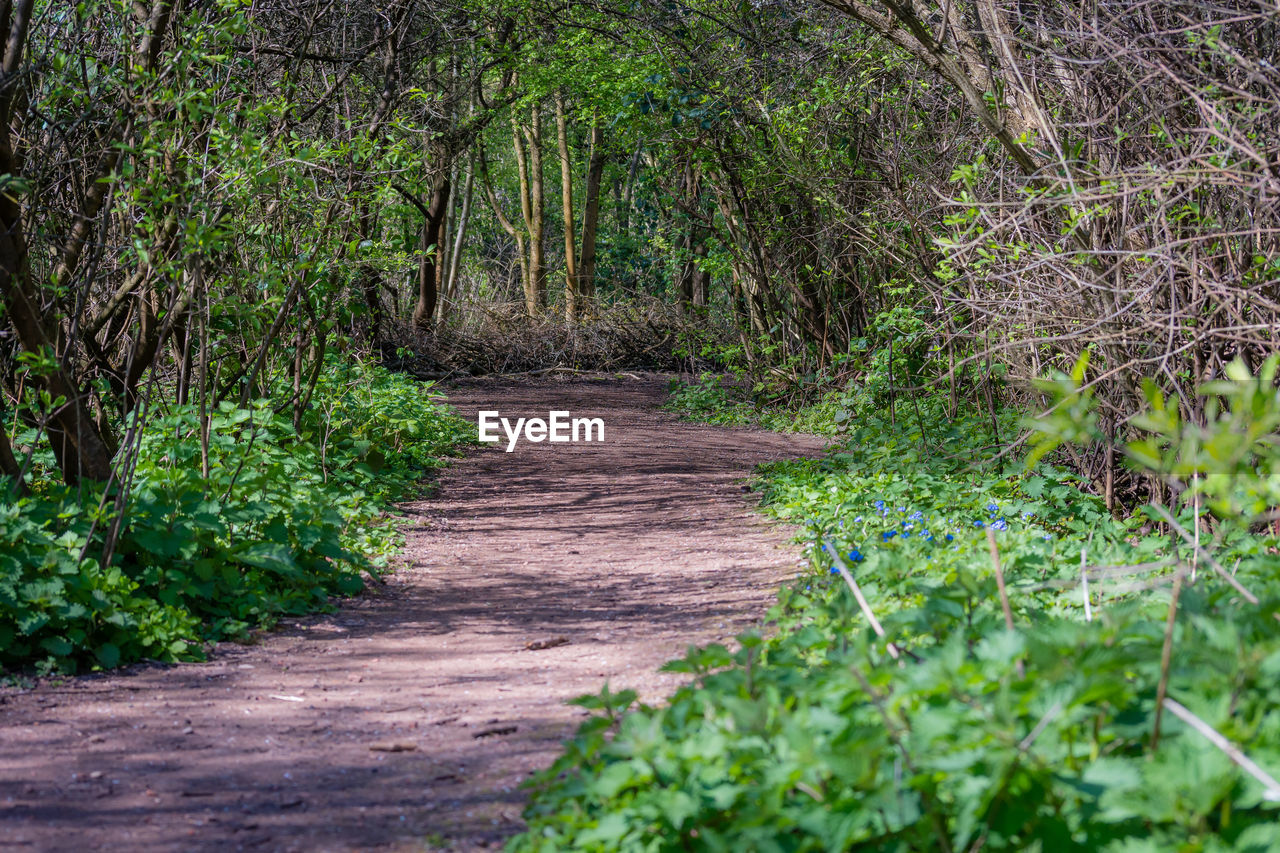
[591, 216]
[693, 281]
[182, 347]
[433, 218]
[444, 246]
[460, 233]
[701, 281]
[537, 227]
[444, 237]
[566, 198]
[628, 194]
[529, 169]
[684, 283]
[507, 225]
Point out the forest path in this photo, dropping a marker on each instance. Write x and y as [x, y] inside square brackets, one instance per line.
[414, 712]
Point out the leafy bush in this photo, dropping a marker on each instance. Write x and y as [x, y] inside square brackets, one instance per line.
[1227, 458]
[952, 731]
[710, 400]
[59, 608]
[822, 405]
[282, 520]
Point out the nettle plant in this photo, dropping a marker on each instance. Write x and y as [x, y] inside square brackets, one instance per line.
[1025, 707]
[233, 517]
[1222, 462]
[1230, 460]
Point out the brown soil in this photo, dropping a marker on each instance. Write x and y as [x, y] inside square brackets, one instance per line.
[408, 719]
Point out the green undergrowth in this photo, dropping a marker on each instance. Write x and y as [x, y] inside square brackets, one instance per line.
[716, 400]
[283, 520]
[952, 731]
[824, 407]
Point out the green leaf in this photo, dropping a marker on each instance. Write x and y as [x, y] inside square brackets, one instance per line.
[108, 655]
[57, 646]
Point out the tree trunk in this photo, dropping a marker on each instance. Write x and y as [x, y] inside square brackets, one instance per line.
[591, 217]
[432, 219]
[529, 169]
[507, 225]
[701, 281]
[693, 281]
[628, 194]
[566, 198]
[444, 244]
[537, 227]
[460, 233]
[684, 284]
[73, 434]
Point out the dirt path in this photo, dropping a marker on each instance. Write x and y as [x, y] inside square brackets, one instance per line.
[414, 713]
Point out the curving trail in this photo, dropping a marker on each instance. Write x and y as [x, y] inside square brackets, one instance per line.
[414, 712]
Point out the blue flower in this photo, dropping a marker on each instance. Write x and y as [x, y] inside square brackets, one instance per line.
[1028, 514]
[1000, 525]
[824, 549]
[950, 537]
[857, 519]
[978, 524]
[879, 504]
[887, 535]
[835, 570]
[916, 516]
[855, 556]
[902, 509]
[927, 536]
[993, 508]
[906, 534]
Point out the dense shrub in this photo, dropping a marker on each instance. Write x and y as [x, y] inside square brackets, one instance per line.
[282, 520]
